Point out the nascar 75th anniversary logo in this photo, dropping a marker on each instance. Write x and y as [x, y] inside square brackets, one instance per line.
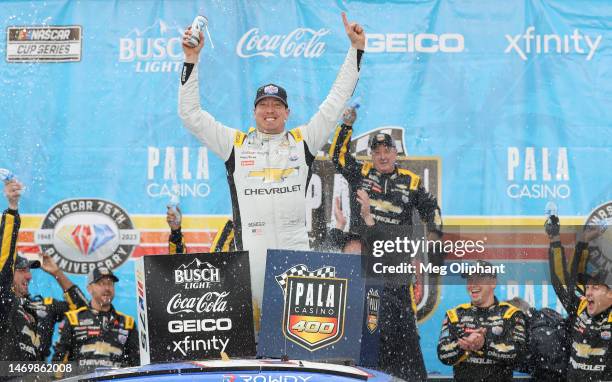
[315, 304]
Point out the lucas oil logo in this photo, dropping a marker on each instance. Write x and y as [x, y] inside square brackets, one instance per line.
[80, 234]
[155, 48]
[315, 304]
[373, 305]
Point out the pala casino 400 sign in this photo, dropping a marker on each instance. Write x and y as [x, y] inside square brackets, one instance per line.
[314, 311]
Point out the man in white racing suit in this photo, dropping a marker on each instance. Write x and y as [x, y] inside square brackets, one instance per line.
[268, 168]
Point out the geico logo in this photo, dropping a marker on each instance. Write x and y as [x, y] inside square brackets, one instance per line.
[50, 34]
[196, 275]
[150, 48]
[408, 42]
[205, 325]
[272, 191]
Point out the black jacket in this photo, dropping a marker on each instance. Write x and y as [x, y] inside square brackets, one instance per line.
[505, 340]
[19, 338]
[590, 357]
[393, 197]
[95, 339]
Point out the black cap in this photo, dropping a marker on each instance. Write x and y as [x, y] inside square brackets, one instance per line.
[600, 277]
[481, 273]
[21, 262]
[97, 273]
[271, 91]
[382, 139]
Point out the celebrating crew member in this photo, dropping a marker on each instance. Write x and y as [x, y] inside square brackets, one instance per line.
[482, 339]
[394, 192]
[589, 323]
[400, 351]
[20, 340]
[27, 323]
[268, 168]
[49, 311]
[223, 241]
[98, 335]
[544, 358]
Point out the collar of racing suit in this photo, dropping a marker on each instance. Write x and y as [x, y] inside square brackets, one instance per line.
[479, 309]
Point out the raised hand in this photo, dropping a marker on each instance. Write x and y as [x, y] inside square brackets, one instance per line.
[192, 54]
[355, 33]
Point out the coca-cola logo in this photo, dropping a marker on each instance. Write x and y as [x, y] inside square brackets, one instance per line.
[303, 42]
[209, 302]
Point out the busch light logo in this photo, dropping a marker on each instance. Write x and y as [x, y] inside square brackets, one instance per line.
[196, 275]
[80, 234]
[301, 42]
[156, 48]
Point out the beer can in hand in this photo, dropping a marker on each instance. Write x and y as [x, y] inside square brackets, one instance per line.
[199, 23]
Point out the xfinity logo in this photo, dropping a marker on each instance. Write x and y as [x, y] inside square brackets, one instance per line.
[410, 43]
[189, 344]
[532, 43]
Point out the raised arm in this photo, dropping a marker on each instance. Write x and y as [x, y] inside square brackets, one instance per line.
[339, 150]
[559, 274]
[9, 229]
[216, 136]
[317, 130]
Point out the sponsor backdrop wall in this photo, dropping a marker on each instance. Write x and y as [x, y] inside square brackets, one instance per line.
[510, 99]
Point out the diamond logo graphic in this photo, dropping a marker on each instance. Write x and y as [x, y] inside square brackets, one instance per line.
[86, 238]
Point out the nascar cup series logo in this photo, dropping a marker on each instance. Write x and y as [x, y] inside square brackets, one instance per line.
[80, 234]
[301, 42]
[315, 303]
[155, 48]
[600, 251]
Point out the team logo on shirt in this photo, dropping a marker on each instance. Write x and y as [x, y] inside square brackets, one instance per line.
[373, 304]
[83, 233]
[315, 304]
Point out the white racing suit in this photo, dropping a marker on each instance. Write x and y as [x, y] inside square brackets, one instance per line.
[268, 174]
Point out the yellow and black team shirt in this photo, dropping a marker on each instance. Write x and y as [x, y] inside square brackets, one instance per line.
[19, 339]
[97, 339]
[589, 337]
[223, 241]
[393, 196]
[505, 340]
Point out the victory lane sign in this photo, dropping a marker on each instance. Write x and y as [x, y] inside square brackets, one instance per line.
[194, 306]
[314, 311]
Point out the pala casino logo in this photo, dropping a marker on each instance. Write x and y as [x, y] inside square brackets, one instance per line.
[600, 256]
[80, 234]
[315, 306]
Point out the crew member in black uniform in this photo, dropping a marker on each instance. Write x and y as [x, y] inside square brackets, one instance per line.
[26, 324]
[394, 192]
[589, 322]
[383, 199]
[98, 335]
[482, 339]
[48, 310]
[223, 241]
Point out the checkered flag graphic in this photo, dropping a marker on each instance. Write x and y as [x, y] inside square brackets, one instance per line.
[302, 270]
